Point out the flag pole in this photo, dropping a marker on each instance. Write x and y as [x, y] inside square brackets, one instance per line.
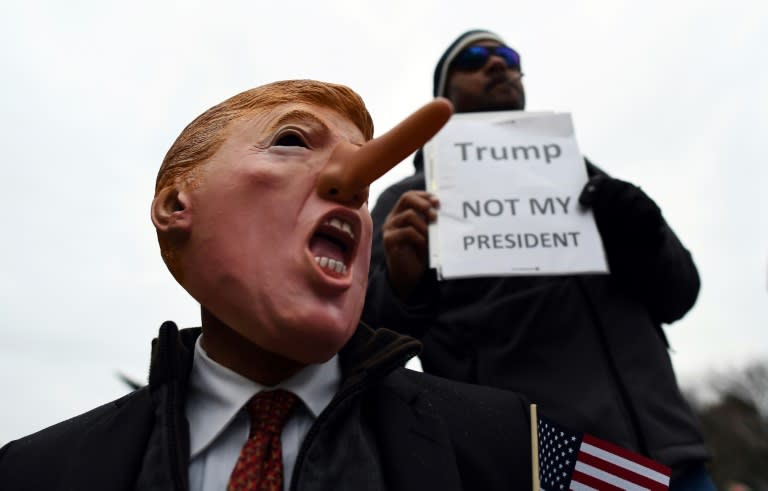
[535, 449]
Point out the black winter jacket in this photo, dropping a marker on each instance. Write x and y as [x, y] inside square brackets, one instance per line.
[386, 428]
[589, 349]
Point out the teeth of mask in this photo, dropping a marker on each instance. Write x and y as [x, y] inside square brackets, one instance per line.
[343, 226]
[331, 264]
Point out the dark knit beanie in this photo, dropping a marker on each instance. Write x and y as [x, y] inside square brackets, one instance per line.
[466, 39]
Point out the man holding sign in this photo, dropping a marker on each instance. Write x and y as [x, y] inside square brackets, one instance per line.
[589, 349]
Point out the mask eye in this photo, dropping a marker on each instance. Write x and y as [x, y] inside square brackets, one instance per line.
[290, 139]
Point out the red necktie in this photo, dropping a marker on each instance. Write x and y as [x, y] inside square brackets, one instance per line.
[260, 465]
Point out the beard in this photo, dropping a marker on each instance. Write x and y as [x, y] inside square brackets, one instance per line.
[502, 93]
[499, 94]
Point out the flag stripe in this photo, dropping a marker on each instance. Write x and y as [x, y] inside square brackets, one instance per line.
[621, 472]
[584, 482]
[606, 477]
[661, 471]
[577, 486]
[624, 462]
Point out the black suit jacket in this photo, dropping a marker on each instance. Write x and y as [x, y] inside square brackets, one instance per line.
[387, 428]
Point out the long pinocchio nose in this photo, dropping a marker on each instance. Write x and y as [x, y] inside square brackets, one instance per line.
[349, 172]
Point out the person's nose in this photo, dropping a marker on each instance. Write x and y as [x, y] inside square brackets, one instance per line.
[495, 63]
[350, 170]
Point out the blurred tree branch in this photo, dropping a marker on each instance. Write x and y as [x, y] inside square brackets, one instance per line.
[736, 427]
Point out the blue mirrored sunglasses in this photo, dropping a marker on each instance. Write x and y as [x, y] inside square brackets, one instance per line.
[475, 57]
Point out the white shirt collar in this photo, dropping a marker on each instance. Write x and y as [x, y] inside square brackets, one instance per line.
[217, 393]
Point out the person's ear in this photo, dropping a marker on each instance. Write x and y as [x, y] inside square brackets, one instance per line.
[171, 212]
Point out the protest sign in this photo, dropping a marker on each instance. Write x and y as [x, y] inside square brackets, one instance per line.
[508, 184]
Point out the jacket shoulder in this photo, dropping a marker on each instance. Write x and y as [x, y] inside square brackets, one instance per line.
[486, 429]
[65, 444]
[462, 400]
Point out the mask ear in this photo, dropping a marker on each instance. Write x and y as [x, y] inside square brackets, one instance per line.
[171, 212]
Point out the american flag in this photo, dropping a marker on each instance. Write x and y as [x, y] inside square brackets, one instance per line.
[579, 461]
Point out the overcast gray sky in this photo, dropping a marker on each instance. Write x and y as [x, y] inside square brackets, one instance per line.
[668, 95]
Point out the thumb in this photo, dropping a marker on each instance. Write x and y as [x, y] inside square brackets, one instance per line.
[590, 190]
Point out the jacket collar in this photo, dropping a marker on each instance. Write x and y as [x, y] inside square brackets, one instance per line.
[367, 358]
[368, 353]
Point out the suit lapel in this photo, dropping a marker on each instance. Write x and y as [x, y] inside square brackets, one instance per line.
[109, 452]
[416, 451]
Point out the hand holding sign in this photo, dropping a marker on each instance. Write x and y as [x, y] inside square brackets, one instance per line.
[629, 221]
[405, 238]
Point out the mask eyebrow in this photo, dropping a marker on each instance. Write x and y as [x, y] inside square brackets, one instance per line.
[299, 116]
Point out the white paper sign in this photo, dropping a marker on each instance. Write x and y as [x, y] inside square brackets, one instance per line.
[508, 184]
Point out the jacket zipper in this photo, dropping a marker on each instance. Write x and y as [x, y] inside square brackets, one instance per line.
[171, 419]
[315, 428]
[342, 396]
[173, 448]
